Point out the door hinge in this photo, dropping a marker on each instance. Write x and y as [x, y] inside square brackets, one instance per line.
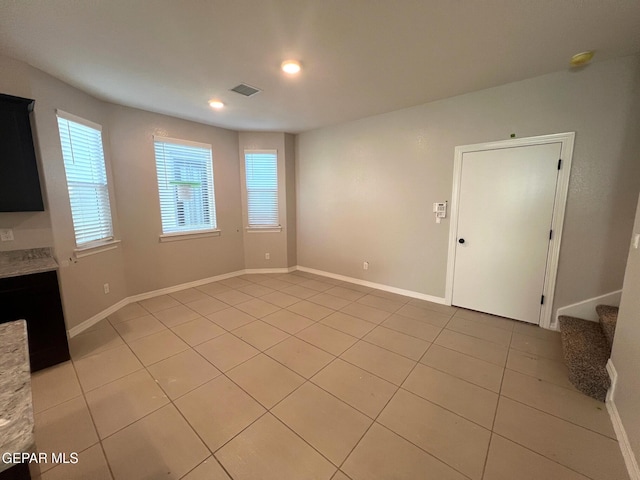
[550, 234]
[559, 163]
[542, 300]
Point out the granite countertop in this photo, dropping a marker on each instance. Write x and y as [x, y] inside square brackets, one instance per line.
[16, 410]
[24, 262]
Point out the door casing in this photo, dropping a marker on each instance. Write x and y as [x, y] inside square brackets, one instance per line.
[562, 187]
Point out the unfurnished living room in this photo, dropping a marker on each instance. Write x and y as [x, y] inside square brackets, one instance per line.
[319, 240]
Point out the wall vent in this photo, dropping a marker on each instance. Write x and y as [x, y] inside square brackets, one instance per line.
[246, 90]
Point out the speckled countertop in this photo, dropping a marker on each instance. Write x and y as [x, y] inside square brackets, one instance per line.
[16, 410]
[24, 262]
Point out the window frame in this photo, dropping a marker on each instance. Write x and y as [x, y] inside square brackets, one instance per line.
[171, 234]
[262, 228]
[107, 242]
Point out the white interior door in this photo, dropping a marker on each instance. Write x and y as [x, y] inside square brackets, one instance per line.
[505, 210]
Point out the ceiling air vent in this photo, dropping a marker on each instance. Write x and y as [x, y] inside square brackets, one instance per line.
[246, 90]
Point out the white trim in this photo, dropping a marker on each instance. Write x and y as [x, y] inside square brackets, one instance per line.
[182, 286]
[261, 151]
[274, 229]
[613, 376]
[586, 309]
[269, 270]
[176, 236]
[379, 286]
[562, 186]
[179, 141]
[72, 332]
[87, 250]
[90, 322]
[74, 118]
[618, 427]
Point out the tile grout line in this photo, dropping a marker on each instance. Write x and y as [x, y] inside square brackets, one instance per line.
[375, 421]
[308, 380]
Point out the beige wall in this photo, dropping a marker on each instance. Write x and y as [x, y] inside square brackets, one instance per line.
[150, 264]
[30, 229]
[256, 244]
[290, 180]
[366, 188]
[82, 280]
[140, 263]
[626, 353]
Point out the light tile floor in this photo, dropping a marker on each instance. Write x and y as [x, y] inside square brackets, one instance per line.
[294, 376]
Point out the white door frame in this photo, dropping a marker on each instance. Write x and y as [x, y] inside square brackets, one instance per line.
[562, 187]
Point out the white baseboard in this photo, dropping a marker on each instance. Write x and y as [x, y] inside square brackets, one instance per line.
[621, 434]
[613, 376]
[182, 286]
[72, 332]
[587, 308]
[269, 270]
[379, 286]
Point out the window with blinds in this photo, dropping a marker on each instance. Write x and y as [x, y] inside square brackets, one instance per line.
[86, 179]
[185, 186]
[261, 176]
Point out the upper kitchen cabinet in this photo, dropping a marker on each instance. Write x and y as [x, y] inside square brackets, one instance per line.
[19, 182]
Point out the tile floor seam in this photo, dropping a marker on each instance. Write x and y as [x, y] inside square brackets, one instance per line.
[300, 437]
[95, 427]
[570, 389]
[363, 339]
[331, 362]
[212, 456]
[559, 418]
[423, 450]
[408, 334]
[259, 319]
[446, 327]
[334, 395]
[544, 456]
[375, 421]
[495, 415]
[460, 378]
[197, 434]
[446, 408]
[373, 373]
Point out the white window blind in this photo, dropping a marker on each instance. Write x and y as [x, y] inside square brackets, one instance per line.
[185, 186]
[261, 174]
[86, 179]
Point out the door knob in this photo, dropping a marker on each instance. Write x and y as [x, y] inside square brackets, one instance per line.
[461, 240]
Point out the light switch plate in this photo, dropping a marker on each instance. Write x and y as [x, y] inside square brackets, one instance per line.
[6, 234]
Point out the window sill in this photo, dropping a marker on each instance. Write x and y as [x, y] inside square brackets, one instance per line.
[275, 229]
[94, 248]
[174, 237]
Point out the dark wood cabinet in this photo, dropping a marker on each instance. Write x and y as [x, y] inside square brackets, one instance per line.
[36, 298]
[19, 182]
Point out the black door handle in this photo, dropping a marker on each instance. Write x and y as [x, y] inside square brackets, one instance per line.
[461, 240]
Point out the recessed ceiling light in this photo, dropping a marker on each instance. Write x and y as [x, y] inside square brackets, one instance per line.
[217, 104]
[291, 67]
[580, 59]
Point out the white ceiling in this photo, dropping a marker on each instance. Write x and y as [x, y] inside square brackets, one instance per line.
[360, 57]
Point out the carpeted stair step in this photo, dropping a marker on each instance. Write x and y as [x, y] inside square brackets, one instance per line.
[586, 353]
[608, 317]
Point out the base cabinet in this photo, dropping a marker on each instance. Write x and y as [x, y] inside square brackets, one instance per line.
[36, 298]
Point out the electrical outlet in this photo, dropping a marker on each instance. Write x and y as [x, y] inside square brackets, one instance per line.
[106, 288]
[267, 256]
[6, 234]
[365, 266]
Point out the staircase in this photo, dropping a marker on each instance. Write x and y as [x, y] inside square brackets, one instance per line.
[587, 348]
